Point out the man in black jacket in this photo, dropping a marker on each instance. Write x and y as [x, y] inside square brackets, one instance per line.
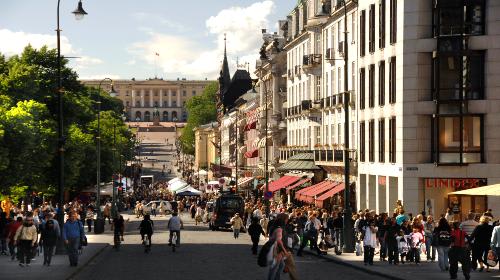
[255, 230]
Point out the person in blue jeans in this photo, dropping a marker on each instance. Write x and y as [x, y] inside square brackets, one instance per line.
[73, 233]
[495, 240]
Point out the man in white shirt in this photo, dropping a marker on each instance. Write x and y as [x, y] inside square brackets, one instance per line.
[470, 224]
[175, 224]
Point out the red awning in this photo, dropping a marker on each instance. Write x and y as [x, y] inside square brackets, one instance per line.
[251, 125]
[299, 183]
[320, 200]
[252, 154]
[282, 182]
[309, 193]
[298, 193]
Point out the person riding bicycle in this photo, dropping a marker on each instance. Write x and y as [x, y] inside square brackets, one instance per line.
[146, 228]
[175, 224]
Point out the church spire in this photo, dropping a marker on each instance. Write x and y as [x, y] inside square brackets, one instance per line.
[224, 78]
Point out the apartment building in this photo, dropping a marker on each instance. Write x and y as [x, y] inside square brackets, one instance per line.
[428, 73]
[141, 97]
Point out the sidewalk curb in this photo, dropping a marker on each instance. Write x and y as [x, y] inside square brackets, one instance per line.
[80, 268]
[357, 267]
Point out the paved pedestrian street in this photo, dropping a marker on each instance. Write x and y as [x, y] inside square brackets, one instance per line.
[203, 254]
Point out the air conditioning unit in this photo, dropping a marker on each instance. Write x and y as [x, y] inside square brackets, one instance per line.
[341, 48]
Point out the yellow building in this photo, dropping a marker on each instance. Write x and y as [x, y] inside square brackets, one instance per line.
[205, 151]
[141, 97]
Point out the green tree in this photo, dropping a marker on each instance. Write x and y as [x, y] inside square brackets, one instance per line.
[202, 109]
[28, 115]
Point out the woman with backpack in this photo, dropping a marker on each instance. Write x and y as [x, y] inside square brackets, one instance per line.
[279, 252]
[442, 240]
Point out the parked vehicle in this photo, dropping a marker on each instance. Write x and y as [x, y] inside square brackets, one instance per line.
[167, 206]
[224, 209]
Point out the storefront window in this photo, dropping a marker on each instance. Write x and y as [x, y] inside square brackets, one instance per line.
[459, 139]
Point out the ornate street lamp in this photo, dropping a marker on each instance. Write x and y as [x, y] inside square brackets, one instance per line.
[79, 12]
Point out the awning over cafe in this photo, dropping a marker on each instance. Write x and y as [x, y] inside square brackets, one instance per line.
[491, 190]
[309, 195]
[319, 201]
[298, 184]
[282, 182]
[252, 154]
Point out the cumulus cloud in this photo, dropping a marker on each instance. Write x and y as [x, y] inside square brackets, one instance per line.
[14, 43]
[180, 55]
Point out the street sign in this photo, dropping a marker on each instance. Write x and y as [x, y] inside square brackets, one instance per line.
[268, 195]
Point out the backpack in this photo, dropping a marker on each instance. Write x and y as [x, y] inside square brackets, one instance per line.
[444, 238]
[263, 257]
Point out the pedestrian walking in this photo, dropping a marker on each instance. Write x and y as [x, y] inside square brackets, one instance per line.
[442, 239]
[12, 229]
[310, 235]
[495, 240]
[369, 241]
[416, 238]
[279, 252]
[26, 238]
[73, 234]
[48, 240]
[458, 252]
[481, 237]
[428, 231]
[89, 217]
[392, 243]
[255, 230]
[236, 224]
[3, 233]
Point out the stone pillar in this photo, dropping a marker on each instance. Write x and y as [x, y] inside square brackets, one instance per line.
[151, 104]
[142, 97]
[169, 98]
[178, 100]
[133, 98]
[161, 97]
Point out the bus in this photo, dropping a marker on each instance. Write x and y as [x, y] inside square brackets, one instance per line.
[224, 208]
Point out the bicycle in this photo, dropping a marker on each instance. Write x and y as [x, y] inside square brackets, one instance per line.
[174, 240]
[147, 244]
[117, 241]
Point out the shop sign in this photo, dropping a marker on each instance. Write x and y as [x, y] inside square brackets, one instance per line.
[455, 183]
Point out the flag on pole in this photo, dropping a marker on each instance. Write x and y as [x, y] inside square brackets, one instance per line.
[157, 54]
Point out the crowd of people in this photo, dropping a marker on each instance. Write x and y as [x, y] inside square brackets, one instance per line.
[30, 230]
[397, 238]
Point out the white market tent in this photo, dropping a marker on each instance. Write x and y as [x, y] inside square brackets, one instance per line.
[491, 190]
[201, 173]
[177, 185]
[174, 180]
[188, 188]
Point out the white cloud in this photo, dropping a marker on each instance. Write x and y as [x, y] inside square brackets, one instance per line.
[180, 55]
[14, 43]
[148, 18]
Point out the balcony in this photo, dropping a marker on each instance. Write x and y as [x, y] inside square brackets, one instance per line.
[306, 105]
[293, 111]
[312, 64]
[323, 155]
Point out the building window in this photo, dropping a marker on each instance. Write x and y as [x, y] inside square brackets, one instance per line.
[339, 80]
[340, 135]
[137, 104]
[362, 143]
[155, 93]
[393, 22]
[164, 93]
[371, 140]
[165, 103]
[317, 92]
[381, 83]
[371, 86]
[332, 134]
[183, 93]
[362, 88]
[317, 134]
[156, 103]
[146, 93]
[174, 93]
[458, 139]
[371, 31]
[458, 18]
[194, 92]
[353, 28]
[174, 103]
[127, 103]
[381, 24]
[362, 33]
[353, 76]
[327, 93]
[392, 80]
[458, 77]
[126, 93]
[392, 140]
[381, 140]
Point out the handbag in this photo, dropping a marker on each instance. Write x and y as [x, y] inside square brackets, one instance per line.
[83, 241]
[492, 259]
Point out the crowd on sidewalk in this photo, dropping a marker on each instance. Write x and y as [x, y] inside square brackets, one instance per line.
[397, 238]
[28, 231]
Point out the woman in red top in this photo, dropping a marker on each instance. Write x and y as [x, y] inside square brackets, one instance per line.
[458, 252]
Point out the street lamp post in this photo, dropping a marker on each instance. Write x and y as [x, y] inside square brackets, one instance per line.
[99, 224]
[79, 13]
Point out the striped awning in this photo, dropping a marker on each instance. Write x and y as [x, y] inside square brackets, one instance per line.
[282, 182]
[262, 142]
[244, 180]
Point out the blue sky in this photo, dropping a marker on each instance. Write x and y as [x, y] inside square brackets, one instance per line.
[119, 38]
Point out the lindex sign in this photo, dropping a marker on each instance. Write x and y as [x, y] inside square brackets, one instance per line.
[455, 183]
